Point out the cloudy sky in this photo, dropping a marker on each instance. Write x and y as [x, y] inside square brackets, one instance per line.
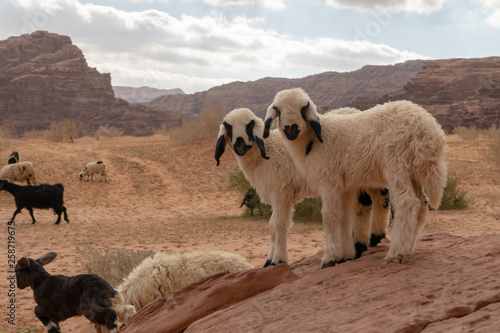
[197, 44]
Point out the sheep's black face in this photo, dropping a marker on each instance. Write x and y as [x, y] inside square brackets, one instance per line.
[240, 147]
[291, 132]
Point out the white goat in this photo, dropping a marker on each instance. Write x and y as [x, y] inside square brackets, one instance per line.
[19, 172]
[94, 168]
[165, 273]
[398, 145]
[279, 184]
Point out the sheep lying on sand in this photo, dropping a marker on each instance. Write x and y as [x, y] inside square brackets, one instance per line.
[94, 168]
[165, 273]
[19, 172]
[397, 145]
[272, 172]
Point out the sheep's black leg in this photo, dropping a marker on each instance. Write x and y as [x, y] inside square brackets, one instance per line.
[65, 214]
[58, 218]
[360, 248]
[375, 239]
[50, 326]
[31, 214]
[101, 316]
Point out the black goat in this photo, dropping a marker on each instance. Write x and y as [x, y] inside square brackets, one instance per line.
[14, 157]
[60, 297]
[43, 196]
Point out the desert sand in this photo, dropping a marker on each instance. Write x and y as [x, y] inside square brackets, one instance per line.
[161, 197]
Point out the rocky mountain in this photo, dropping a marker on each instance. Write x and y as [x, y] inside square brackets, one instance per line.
[330, 89]
[44, 78]
[463, 92]
[142, 94]
[432, 291]
[457, 92]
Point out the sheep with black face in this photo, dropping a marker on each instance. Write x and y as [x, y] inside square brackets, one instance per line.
[272, 172]
[397, 145]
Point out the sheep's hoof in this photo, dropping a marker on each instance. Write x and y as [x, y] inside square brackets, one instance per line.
[268, 262]
[395, 260]
[332, 263]
[33, 222]
[57, 222]
[360, 248]
[375, 239]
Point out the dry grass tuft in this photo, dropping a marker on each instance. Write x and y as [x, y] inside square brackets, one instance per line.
[204, 126]
[107, 131]
[467, 133]
[112, 265]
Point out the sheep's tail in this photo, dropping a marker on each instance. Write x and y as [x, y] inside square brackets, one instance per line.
[435, 182]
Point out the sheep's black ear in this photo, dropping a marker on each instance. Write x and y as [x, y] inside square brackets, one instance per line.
[47, 258]
[222, 141]
[316, 126]
[272, 113]
[260, 144]
[23, 262]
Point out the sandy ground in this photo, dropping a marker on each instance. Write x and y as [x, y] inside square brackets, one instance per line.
[161, 197]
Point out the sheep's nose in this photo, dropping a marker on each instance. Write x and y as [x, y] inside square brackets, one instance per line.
[240, 147]
[291, 132]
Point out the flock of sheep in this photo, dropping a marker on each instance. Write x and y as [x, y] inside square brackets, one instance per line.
[361, 164]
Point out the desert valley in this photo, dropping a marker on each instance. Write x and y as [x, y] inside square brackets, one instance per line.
[171, 196]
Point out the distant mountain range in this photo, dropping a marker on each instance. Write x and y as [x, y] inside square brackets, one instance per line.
[45, 78]
[142, 94]
[456, 91]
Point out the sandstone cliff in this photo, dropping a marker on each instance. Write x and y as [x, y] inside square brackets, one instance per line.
[45, 78]
[450, 284]
[458, 92]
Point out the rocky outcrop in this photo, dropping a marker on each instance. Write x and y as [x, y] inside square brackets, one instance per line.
[142, 94]
[44, 78]
[330, 89]
[450, 284]
[458, 92]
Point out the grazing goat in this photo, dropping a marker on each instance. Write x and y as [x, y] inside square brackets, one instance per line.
[397, 145]
[14, 157]
[60, 297]
[272, 172]
[19, 172]
[42, 196]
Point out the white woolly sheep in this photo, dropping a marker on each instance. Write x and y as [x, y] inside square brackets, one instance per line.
[60, 297]
[279, 184]
[165, 273]
[93, 168]
[19, 172]
[397, 145]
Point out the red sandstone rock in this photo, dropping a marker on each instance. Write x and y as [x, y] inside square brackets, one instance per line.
[450, 284]
[44, 78]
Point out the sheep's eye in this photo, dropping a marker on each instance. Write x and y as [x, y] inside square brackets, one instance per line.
[278, 112]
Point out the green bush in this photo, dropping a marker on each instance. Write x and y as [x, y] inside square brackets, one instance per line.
[453, 198]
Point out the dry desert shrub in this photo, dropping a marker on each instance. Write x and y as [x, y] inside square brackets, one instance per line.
[204, 126]
[63, 131]
[5, 133]
[467, 133]
[108, 131]
[453, 197]
[112, 265]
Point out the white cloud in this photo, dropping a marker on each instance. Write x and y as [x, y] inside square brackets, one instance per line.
[153, 48]
[494, 7]
[417, 6]
[268, 4]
